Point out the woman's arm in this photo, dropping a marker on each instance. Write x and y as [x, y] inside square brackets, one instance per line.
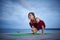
[34, 30]
[42, 29]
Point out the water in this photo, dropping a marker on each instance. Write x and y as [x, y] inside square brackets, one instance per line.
[25, 31]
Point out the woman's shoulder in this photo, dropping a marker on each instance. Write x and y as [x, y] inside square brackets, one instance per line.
[37, 19]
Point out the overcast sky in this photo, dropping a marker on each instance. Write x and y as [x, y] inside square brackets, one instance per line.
[14, 13]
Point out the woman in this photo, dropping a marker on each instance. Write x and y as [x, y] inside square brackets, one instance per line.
[35, 23]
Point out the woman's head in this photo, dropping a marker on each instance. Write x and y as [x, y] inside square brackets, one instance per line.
[31, 15]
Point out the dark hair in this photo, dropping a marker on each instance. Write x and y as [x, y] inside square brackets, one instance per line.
[31, 13]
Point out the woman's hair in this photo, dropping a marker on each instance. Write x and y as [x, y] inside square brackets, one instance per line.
[32, 14]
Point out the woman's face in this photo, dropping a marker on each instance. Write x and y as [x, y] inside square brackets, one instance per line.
[31, 17]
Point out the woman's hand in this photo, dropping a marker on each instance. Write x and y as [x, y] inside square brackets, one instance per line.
[34, 30]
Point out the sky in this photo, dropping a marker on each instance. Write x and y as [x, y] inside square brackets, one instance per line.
[14, 13]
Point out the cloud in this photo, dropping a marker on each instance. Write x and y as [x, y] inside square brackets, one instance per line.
[15, 13]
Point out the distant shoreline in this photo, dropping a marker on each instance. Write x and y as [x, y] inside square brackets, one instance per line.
[30, 29]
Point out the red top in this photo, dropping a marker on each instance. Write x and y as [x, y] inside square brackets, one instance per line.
[38, 25]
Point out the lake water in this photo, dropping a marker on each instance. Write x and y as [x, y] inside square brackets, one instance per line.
[26, 30]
